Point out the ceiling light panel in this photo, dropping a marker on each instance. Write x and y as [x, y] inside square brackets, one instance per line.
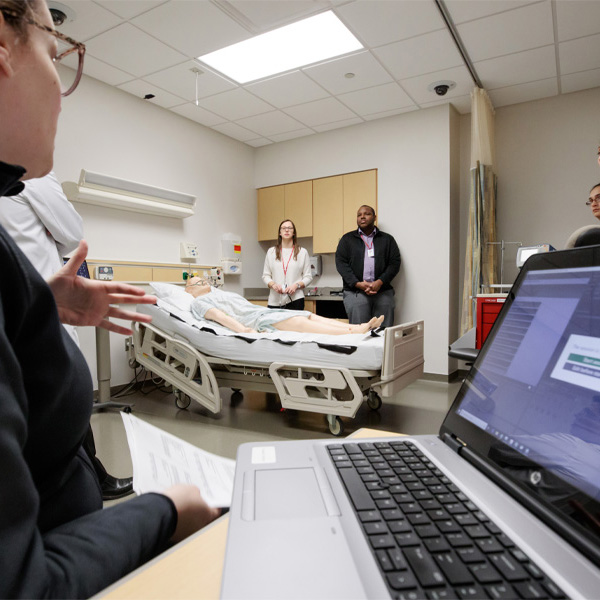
[302, 43]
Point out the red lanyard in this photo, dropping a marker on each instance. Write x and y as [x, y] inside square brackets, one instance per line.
[285, 267]
[365, 243]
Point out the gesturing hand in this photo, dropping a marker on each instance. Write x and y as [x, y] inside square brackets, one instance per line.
[82, 301]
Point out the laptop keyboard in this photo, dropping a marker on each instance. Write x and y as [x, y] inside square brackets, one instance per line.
[429, 539]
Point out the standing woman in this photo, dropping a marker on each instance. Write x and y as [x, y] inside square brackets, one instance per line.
[56, 540]
[287, 270]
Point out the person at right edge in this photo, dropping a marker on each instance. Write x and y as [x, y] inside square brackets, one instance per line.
[368, 260]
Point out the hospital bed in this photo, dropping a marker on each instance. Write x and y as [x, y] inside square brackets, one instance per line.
[325, 374]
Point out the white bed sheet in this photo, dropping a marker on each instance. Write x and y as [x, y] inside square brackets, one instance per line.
[367, 351]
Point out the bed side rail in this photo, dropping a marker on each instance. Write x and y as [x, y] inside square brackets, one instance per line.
[178, 363]
[402, 357]
[326, 390]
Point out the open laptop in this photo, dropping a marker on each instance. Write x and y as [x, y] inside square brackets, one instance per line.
[503, 503]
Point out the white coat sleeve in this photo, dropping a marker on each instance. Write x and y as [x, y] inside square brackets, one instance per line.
[267, 275]
[57, 214]
[306, 273]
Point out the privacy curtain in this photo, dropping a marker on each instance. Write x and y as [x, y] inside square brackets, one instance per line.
[481, 258]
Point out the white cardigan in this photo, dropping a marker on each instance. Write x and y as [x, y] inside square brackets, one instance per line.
[297, 271]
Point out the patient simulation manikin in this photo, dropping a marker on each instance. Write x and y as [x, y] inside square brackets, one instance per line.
[236, 313]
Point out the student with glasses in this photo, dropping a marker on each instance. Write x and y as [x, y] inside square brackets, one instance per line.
[589, 235]
[55, 538]
[287, 270]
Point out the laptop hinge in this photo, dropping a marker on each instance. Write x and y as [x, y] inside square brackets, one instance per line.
[453, 442]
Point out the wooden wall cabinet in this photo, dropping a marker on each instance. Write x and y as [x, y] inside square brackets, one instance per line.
[322, 208]
[290, 201]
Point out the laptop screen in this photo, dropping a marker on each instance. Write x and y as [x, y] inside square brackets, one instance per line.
[531, 403]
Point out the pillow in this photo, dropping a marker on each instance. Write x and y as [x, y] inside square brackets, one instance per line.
[172, 294]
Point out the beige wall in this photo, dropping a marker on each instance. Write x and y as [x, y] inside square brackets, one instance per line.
[108, 131]
[412, 153]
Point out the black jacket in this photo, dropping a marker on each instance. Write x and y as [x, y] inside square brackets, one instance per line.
[55, 539]
[350, 259]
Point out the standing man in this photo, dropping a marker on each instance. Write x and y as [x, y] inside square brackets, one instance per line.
[368, 259]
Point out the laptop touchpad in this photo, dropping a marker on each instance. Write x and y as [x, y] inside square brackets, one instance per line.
[287, 493]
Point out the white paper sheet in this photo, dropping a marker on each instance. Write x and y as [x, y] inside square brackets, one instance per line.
[161, 460]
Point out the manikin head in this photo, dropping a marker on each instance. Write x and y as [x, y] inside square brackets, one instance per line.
[196, 286]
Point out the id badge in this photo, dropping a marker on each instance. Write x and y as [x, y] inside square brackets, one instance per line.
[370, 252]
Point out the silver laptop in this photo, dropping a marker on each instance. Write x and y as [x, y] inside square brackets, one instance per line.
[503, 503]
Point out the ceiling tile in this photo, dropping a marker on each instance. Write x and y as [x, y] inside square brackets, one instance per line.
[181, 80]
[320, 112]
[424, 54]
[259, 142]
[468, 10]
[270, 123]
[235, 131]
[140, 88]
[198, 114]
[580, 81]
[390, 113]
[127, 9]
[332, 75]
[524, 92]
[89, 20]
[338, 124]
[378, 22]
[508, 32]
[416, 87]
[100, 70]
[577, 18]
[266, 14]
[579, 55]
[291, 135]
[235, 104]
[193, 28]
[132, 50]
[287, 90]
[377, 99]
[521, 67]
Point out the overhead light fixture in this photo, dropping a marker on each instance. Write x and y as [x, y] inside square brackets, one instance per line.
[302, 43]
[111, 192]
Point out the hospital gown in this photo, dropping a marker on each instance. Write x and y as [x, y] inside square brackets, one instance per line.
[250, 315]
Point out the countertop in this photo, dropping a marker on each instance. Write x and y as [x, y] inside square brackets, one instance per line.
[309, 293]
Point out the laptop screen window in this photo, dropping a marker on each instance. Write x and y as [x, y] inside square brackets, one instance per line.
[537, 385]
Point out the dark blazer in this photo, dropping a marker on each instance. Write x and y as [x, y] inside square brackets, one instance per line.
[55, 539]
[350, 259]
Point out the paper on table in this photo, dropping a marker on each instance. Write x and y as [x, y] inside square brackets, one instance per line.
[161, 460]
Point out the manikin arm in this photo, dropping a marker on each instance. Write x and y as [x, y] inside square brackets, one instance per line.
[214, 314]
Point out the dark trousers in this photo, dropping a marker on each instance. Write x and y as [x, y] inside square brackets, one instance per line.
[361, 308]
[293, 305]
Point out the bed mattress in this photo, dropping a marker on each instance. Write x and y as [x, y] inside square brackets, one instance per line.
[356, 352]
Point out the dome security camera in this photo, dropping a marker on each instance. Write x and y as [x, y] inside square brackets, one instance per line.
[441, 88]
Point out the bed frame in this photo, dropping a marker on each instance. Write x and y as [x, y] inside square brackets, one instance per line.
[334, 391]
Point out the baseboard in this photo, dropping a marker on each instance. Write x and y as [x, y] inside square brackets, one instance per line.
[451, 377]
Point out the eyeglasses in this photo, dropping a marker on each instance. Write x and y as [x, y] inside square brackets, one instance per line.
[69, 78]
[591, 201]
[286, 229]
